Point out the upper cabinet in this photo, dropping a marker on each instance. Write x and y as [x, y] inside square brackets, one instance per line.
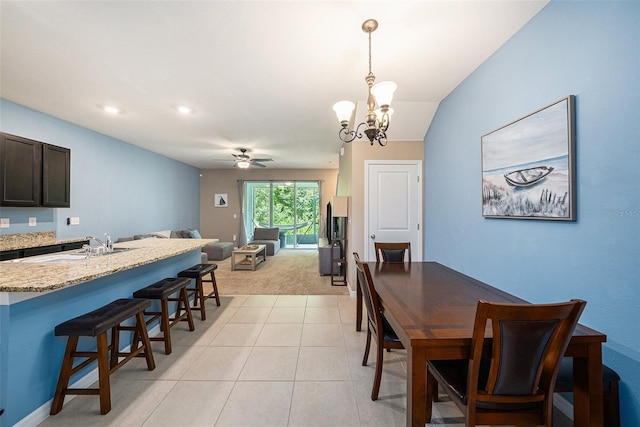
[33, 173]
[56, 176]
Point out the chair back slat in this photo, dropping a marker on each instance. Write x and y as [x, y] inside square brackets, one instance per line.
[370, 296]
[392, 252]
[523, 345]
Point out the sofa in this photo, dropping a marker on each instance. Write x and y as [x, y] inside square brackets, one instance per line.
[174, 234]
[268, 237]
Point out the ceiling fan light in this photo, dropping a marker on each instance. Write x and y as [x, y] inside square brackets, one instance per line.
[243, 164]
[383, 92]
[343, 110]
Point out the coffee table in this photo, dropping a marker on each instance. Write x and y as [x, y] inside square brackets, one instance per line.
[252, 255]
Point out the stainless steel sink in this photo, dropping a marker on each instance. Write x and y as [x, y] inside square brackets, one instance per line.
[118, 250]
[62, 257]
[55, 257]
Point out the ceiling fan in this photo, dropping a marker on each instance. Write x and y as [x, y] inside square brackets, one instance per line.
[243, 161]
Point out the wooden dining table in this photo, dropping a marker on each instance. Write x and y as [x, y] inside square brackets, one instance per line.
[432, 309]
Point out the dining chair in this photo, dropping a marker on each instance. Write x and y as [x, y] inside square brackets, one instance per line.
[377, 324]
[392, 251]
[511, 381]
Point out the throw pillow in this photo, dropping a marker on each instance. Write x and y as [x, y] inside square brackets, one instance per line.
[195, 234]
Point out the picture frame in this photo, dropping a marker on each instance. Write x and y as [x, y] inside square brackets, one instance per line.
[220, 200]
[528, 166]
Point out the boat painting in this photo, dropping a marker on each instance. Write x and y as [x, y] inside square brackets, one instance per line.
[528, 168]
[527, 177]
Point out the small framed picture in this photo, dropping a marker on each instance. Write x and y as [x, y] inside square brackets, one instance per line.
[220, 200]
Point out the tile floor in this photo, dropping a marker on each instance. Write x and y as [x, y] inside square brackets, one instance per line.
[259, 361]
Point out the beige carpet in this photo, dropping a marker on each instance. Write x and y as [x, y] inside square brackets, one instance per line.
[289, 272]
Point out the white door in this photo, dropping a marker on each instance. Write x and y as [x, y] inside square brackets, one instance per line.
[393, 204]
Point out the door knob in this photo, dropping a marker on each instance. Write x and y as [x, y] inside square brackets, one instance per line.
[373, 236]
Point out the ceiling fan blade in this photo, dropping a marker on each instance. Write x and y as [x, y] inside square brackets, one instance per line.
[261, 160]
[259, 165]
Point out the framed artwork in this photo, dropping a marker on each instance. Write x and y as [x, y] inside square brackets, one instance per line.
[220, 200]
[528, 169]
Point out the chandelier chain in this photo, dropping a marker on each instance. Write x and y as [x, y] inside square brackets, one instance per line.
[370, 53]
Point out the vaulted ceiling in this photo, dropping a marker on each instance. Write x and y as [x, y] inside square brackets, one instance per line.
[261, 75]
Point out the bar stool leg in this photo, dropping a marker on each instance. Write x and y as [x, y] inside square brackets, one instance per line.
[164, 325]
[65, 374]
[103, 373]
[214, 292]
[141, 331]
[198, 298]
[114, 348]
[184, 300]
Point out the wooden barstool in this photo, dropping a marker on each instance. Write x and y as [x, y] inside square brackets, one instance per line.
[96, 324]
[198, 272]
[162, 290]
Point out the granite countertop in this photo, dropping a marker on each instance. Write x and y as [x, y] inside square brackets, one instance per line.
[47, 276]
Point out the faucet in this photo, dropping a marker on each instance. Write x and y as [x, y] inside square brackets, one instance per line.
[106, 248]
[109, 242]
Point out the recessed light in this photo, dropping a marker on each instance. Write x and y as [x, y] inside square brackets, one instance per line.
[111, 109]
[184, 109]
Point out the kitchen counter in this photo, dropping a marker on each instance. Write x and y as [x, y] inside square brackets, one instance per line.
[37, 296]
[21, 276]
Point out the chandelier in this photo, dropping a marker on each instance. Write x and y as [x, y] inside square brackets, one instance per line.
[376, 121]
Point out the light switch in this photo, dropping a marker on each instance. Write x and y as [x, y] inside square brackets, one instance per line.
[32, 221]
[4, 222]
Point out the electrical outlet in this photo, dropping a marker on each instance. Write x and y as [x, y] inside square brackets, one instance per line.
[234, 237]
[32, 221]
[4, 222]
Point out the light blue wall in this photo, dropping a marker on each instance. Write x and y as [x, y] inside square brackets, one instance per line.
[591, 50]
[115, 187]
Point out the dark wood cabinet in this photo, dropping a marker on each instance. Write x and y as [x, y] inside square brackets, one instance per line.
[33, 173]
[21, 163]
[56, 176]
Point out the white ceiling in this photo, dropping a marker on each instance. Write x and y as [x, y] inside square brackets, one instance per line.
[260, 74]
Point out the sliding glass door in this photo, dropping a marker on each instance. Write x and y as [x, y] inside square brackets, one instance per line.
[292, 206]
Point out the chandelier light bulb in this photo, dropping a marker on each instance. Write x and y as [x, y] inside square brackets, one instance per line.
[343, 110]
[383, 92]
[379, 113]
